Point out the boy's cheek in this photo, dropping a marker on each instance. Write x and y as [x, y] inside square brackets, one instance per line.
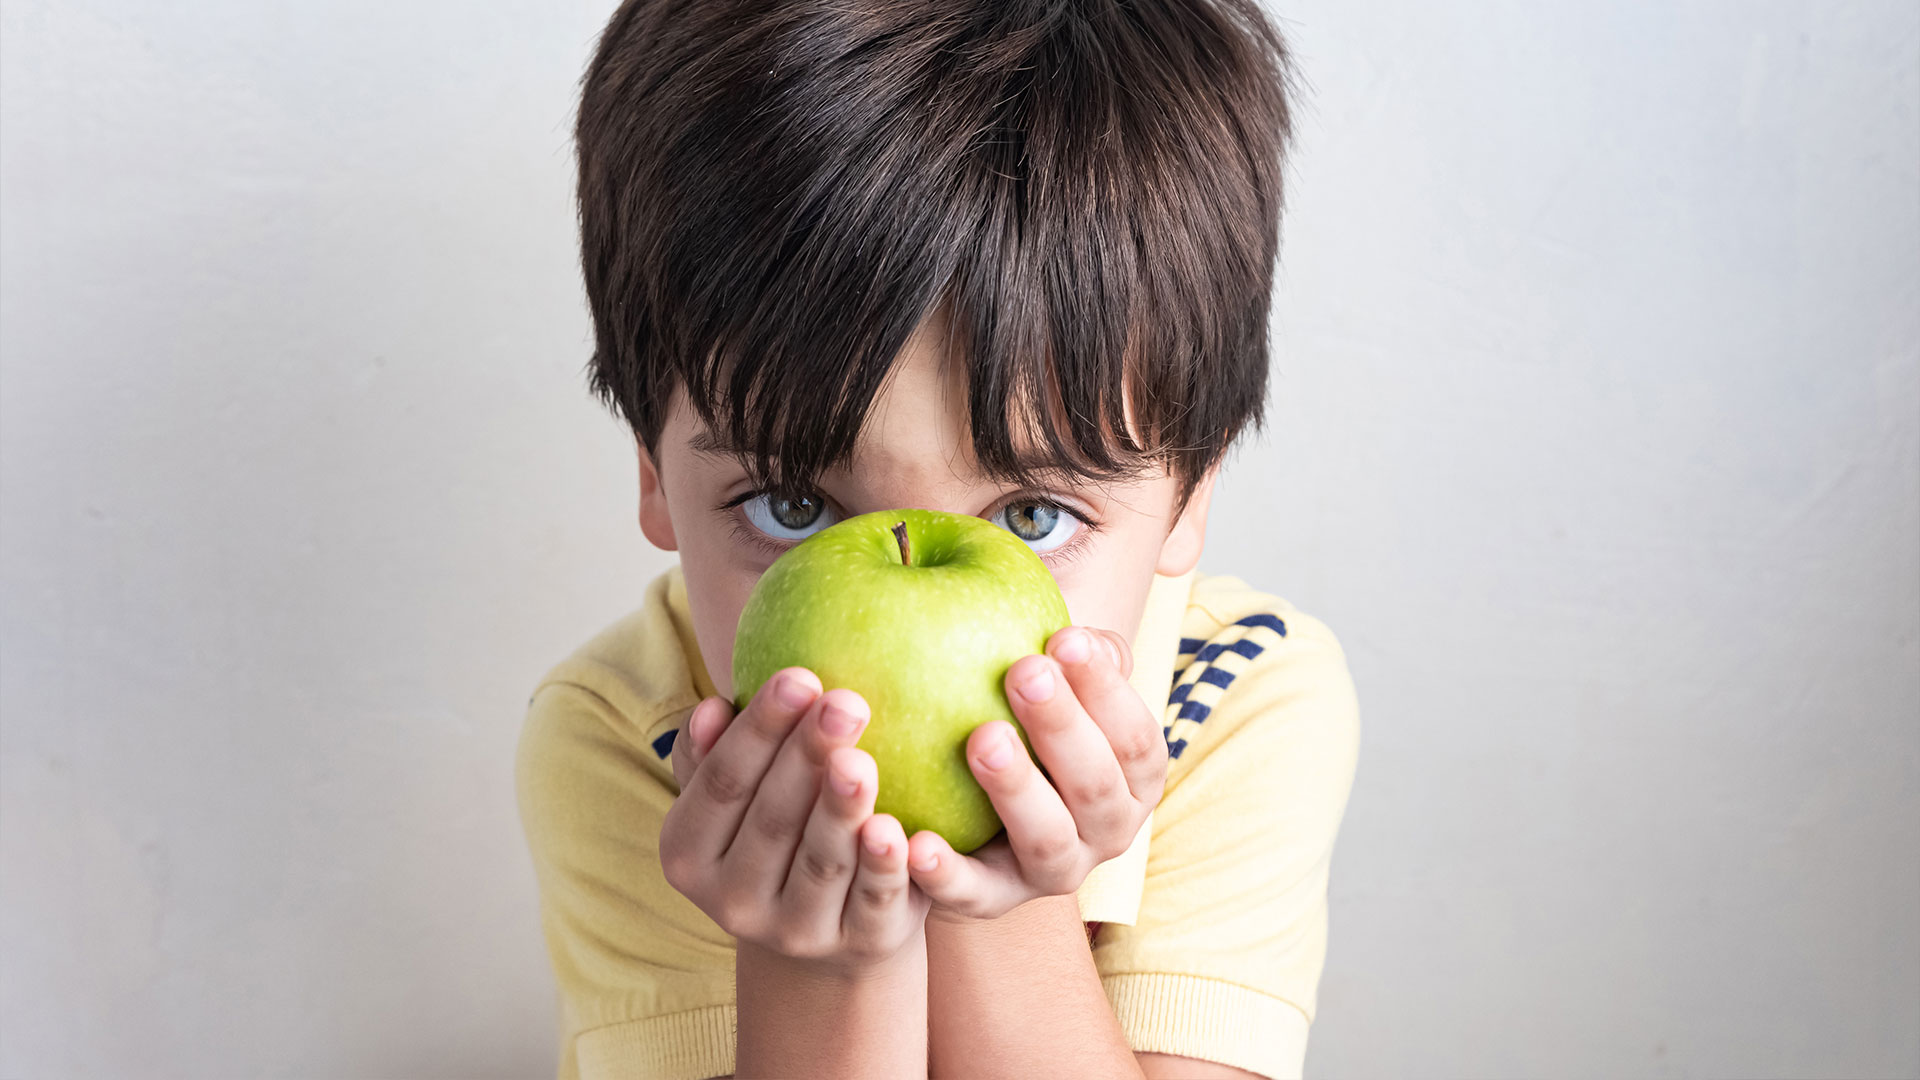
[1113, 604]
[715, 596]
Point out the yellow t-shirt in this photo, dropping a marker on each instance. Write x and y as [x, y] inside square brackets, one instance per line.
[1214, 923]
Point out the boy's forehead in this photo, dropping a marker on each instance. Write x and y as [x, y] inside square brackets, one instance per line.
[917, 428]
[875, 454]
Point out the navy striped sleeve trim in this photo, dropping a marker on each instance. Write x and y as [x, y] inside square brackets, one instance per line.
[1271, 622]
[1201, 682]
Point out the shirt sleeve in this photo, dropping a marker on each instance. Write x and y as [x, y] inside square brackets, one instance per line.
[645, 978]
[1224, 961]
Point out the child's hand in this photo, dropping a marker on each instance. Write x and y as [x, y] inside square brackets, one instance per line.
[773, 855]
[1106, 755]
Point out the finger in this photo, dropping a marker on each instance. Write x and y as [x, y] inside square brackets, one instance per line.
[815, 893]
[1115, 707]
[716, 799]
[703, 724]
[1078, 758]
[1040, 828]
[1119, 646]
[681, 755]
[984, 885]
[757, 860]
[707, 731]
[877, 902]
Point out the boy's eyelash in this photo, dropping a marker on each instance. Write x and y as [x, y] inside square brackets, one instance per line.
[743, 497]
[1072, 550]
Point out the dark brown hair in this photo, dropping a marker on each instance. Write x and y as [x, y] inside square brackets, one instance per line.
[775, 193]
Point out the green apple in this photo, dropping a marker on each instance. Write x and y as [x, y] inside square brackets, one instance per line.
[921, 613]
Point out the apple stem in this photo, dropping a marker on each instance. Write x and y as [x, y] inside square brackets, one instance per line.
[900, 534]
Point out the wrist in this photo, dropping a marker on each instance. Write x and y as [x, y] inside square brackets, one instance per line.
[945, 918]
[1039, 912]
[847, 1020]
[832, 972]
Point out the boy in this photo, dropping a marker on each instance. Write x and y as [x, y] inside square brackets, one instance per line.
[1009, 258]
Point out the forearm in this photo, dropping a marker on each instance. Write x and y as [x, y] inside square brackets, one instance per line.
[1018, 996]
[795, 1020]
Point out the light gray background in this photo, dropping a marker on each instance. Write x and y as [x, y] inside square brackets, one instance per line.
[1595, 436]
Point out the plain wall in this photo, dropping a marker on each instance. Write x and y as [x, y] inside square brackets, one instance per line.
[1595, 435]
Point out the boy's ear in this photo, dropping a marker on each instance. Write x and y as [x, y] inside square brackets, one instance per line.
[656, 524]
[1181, 551]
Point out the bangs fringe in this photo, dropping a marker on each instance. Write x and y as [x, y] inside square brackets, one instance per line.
[775, 196]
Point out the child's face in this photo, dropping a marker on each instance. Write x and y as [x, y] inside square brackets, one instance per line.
[1103, 541]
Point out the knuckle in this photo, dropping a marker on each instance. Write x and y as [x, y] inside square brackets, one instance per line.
[1097, 790]
[821, 867]
[726, 787]
[772, 826]
[1051, 850]
[877, 894]
[1138, 745]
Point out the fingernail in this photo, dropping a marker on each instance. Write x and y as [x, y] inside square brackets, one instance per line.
[878, 847]
[1038, 688]
[794, 692]
[1000, 754]
[1073, 648]
[932, 860]
[838, 720]
[844, 784]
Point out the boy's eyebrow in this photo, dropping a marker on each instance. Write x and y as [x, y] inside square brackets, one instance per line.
[709, 444]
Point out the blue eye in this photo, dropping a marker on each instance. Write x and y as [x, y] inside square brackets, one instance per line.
[1044, 526]
[788, 517]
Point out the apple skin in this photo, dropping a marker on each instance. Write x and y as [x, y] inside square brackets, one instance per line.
[927, 645]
